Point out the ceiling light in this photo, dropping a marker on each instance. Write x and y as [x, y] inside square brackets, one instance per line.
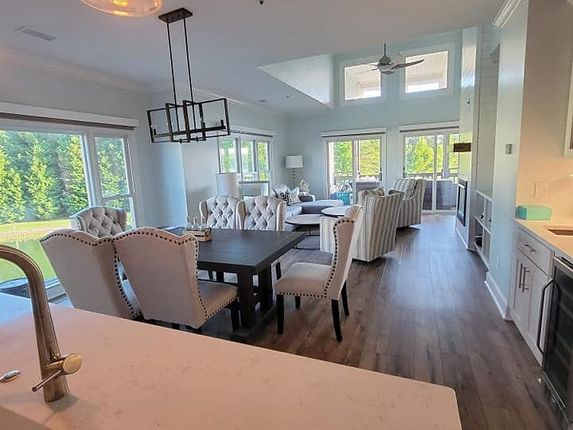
[182, 120]
[126, 7]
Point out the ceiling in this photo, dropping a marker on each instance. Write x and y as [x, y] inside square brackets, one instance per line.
[230, 39]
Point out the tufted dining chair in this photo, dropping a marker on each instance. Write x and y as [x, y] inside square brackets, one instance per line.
[319, 280]
[88, 269]
[264, 213]
[162, 269]
[100, 221]
[220, 212]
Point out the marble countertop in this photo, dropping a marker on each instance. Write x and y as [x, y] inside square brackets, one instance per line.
[140, 376]
[561, 245]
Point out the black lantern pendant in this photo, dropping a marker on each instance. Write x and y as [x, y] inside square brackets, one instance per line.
[187, 120]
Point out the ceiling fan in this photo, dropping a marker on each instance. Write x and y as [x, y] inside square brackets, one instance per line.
[387, 66]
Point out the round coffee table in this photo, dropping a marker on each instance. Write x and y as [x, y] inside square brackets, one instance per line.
[336, 211]
[305, 220]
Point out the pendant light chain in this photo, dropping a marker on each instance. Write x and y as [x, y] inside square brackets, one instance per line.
[189, 70]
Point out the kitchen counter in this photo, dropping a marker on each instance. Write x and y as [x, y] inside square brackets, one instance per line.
[561, 245]
[140, 376]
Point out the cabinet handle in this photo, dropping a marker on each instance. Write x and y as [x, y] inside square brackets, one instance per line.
[541, 311]
[520, 280]
[525, 272]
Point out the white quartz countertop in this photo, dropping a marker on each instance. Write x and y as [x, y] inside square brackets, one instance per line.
[561, 245]
[139, 376]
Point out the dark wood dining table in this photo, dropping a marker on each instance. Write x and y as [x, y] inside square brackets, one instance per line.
[246, 253]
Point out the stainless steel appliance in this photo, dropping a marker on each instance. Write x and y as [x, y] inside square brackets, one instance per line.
[557, 376]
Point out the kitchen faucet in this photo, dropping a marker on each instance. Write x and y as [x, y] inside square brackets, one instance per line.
[53, 365]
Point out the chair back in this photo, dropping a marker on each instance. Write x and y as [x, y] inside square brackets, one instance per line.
[100, 221]
[220, 212]
[345, 234]
[162, 270]
[264, 213]
[87, 268]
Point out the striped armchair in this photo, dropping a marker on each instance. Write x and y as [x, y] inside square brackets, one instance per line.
[411, 207]
[378, 233]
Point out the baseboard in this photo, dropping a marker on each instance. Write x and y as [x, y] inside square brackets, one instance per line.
[498, 297]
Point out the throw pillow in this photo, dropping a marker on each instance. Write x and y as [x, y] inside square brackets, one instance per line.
[286, 197]
[294, 195]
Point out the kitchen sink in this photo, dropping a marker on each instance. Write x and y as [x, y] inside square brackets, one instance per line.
[561, 231]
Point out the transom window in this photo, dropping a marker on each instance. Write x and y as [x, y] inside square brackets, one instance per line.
[247, 155]
[362, 81]
[430, 75]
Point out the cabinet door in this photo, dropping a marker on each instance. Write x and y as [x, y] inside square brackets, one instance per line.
[522, 294]
[537, 280]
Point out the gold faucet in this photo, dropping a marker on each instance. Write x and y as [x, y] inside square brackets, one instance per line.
[53, 365]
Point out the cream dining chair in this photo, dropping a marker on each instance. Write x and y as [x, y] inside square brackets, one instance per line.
[88, 269]
[321, 281]
[100, 221]
[221, 212]
[162, 269]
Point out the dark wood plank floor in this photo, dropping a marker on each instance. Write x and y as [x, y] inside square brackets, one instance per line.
[424, 313]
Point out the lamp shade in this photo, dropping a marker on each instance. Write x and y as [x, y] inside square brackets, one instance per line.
[126, 7]
[293, 161]
[228, 184]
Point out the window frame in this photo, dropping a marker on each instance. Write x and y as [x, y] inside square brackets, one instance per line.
[449, 90]
[254, 139]
[342, 65]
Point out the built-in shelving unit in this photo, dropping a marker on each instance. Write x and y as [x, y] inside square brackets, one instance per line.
[482, 225]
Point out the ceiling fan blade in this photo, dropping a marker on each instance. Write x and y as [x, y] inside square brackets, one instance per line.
[404, 65]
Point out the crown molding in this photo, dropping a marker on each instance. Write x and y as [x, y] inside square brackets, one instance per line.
[504, 14]
[66, 69]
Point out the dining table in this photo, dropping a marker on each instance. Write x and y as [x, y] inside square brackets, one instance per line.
[246, 253]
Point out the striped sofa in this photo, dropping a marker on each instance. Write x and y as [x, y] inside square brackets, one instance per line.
[377, 235]
[411, 207]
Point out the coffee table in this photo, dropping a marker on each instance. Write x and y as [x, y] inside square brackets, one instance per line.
[305, 220]
[336, 211]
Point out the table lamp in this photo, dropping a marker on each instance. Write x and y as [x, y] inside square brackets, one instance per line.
[293, 162]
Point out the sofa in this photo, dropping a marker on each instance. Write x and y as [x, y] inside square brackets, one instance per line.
[307, 204]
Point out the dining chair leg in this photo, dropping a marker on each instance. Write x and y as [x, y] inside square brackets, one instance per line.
[220, 276]
[235, 316]
[280, 313]
[336, 320]
[211, 276]
[297, 302]
[278, 270]
[345, 300]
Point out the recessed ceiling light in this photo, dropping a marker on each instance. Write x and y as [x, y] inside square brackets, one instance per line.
[126, 7]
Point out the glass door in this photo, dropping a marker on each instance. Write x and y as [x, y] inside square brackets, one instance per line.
[353, 165]
[429, 156]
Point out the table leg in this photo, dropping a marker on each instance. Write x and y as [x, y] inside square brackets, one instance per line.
[220, 277]
[246, 299]
[266, 289]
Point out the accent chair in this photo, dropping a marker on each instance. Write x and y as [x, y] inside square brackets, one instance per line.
[413, 200]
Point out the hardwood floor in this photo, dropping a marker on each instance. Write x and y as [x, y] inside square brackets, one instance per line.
[424, 313]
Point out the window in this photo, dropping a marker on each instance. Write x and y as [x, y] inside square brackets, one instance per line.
[430, 75]
[47, 175]
[252, 161]
[354, 163]
[362, 81]
[429, 155]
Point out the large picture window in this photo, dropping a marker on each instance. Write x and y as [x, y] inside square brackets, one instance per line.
[248, 155]
[48, 174]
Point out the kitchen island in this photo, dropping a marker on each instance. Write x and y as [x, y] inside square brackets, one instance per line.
[140, 376]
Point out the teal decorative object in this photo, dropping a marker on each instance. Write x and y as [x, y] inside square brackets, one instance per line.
[533, 213]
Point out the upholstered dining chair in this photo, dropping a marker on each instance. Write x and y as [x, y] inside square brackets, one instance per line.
[88, 270]
[100, 221]
[220, 212]
[264, 213]
[162, 269]
[378, 233]
[413, 200]
[321, 281]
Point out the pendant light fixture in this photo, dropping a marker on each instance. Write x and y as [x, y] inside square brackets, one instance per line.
[126, 7]
[184, 121]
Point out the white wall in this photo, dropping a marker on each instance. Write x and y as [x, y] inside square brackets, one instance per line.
[304, 130]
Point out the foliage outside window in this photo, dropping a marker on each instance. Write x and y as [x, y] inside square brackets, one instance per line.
[247, 155]
[44, 180]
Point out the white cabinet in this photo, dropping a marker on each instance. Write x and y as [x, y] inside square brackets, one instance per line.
[529, 281]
